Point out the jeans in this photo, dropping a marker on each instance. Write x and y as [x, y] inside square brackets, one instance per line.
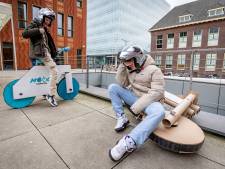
[155, 112]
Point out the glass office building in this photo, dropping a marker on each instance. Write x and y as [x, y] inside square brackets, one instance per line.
[112, 24]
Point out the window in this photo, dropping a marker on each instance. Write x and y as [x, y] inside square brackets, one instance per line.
[22, 14]
[79, 3]
[35, 11]
[216, 12]
[79, 58]
[181, 61]
[158, 60]
[183, 40]
[60, 24]
[159, 42]
[196, 61]
[170, 40]
[169, 61]
[213, 36]
[185, 18]
[70, 26]
[210, 62]
[197, 38]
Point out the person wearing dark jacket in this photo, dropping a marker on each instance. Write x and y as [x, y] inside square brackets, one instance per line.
[42, 46]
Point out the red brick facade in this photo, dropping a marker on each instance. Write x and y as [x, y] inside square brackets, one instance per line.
[67, 8]
[219, 70]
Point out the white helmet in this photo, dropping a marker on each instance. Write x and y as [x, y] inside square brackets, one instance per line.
[45, 12]
[136, 52]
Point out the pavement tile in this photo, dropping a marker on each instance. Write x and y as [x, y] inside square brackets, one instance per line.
[84, 142]
[28, 151]
[214, 148]
[92, 102]
[150, 156]
[13, 123]
[42, 114]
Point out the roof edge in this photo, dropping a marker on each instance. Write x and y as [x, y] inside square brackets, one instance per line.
[186, 24]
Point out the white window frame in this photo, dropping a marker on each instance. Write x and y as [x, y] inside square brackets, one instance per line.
[158, 60]
[197, 39]
[181, 61]
[215, 12]
[210, 64]
[182, 40]
[196, 61]
[185, 18]
[213, 38]
[170, 41]
[70, 26]
[169, 61]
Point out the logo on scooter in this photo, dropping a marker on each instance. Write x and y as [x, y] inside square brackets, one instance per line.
[39, 80]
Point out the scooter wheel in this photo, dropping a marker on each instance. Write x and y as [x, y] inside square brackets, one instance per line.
[61, 89]
[15, 103]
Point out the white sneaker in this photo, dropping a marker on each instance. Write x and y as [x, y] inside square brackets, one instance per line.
[121, 124]
[125, 145]
[51, 100]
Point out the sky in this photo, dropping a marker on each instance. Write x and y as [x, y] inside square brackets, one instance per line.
[174, 3]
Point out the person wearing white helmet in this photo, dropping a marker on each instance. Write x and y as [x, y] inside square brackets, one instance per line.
[42, 47]
[141, 86]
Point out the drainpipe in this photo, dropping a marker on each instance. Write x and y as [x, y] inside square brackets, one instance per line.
[1, 56]
[14, 44]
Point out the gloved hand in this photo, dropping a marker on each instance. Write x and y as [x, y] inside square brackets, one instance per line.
[42, 30]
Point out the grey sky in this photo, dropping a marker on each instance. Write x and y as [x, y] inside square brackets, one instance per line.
[174, 3]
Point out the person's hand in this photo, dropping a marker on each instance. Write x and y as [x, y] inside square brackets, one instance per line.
[42, 30]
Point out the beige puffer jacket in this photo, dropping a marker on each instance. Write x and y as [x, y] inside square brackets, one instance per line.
[148, 85]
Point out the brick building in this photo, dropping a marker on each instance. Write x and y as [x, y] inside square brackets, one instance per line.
[191, 36]
[69, 29]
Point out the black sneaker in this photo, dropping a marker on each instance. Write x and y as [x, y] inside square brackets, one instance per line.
[52, 100]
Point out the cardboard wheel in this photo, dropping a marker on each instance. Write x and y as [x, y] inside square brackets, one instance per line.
[186, 137]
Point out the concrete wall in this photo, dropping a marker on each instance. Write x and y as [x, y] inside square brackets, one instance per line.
[211, 95]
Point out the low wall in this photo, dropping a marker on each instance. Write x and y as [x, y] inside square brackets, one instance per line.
[211, 91]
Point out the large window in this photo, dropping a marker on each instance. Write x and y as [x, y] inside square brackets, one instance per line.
[70, 26]
[196, 61]
[60, 24]
[210, 62]
[158, 60]
[181, 61]
[197, 38]
[169, 61]
[159, 41]
[183, 40]
[213, 36]
[216, 12]
[79, 3]
[170, 40]
[35, 11]
[22, 14]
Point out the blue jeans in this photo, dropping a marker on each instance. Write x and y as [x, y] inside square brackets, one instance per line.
[155, 112]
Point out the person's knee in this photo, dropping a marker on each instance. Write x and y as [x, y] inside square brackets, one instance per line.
[113, 87]
[157, 109]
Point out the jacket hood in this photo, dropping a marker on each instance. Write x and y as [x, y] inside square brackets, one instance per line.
[149, 61]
